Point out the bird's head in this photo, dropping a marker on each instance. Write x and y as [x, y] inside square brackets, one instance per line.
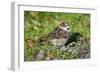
[65, 26]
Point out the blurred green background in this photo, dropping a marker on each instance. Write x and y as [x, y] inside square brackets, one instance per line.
[39, 24]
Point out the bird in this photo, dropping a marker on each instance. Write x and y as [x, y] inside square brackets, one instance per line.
[60, 35]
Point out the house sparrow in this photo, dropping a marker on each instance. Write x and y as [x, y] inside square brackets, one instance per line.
[60, 35]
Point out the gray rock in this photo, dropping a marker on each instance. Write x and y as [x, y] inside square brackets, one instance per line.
[73, 50]
[40, 55]
[63, 48]
[84, 53]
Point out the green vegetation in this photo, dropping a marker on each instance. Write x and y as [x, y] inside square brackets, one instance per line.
[39, 24]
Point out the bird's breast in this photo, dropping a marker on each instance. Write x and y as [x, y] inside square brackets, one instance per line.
[59, 42]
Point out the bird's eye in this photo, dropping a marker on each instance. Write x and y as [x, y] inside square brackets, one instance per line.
[67, 28]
